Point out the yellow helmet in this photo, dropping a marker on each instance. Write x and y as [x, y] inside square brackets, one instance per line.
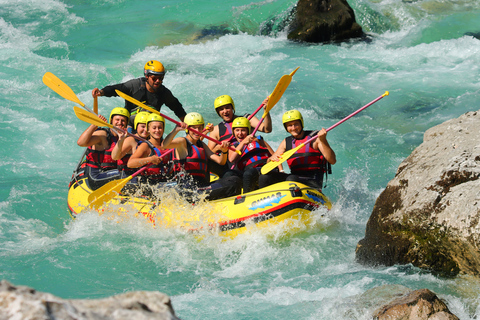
[241, 122]
[141, 117]
[154, 67]
[121, 111]
[292, 115]
[222, 101]
[152, 117]
[193, 119]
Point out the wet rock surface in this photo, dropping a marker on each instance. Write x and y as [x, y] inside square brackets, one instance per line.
[324, 21]
[20, 302]
[429, 214]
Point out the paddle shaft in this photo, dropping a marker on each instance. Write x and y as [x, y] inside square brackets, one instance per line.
[285, 156]
[348, 117]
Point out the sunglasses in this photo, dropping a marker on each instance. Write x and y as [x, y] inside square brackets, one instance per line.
[156, 78]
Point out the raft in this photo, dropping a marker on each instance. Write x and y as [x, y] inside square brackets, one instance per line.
[285, 202]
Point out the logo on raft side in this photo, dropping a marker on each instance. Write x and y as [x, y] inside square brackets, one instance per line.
[267, 201]
[315, 197]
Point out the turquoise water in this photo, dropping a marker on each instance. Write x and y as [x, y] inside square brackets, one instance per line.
[419, 53]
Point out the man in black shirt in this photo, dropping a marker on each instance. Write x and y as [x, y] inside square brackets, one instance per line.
[148, 89]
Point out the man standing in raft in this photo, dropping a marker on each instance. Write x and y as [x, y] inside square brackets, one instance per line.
[309, 164]
[100, 167]
[225, 108]
[148, 88]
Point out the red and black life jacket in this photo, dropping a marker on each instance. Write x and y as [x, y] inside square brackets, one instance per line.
[253, 155]
[103, 159]
[195, 164]
[122, 163]
[306, 161]
[225, 131]
[163, 170]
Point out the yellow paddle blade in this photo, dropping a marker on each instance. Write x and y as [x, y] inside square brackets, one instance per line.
[135, 101]
[90, 118]
[277, 93]
[273, 164]
[106, 193]
[57, 85]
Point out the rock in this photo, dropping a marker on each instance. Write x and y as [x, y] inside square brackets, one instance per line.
[418, 305]
[324, 21]
[25, 303]
[428, 215]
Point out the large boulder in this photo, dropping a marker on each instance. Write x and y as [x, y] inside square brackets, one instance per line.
[429, 214]
[417, 305]
[25, 303]
[324, 21]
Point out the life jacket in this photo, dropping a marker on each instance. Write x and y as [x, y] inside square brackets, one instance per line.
[253, 155]
[307, 161]
[195, 164]
[122, 163]
[225, 131]
[163, 170]
[102, 159]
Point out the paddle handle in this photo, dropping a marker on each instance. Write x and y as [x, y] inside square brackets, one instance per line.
[359, 110]
[95, 105]
[348, 117]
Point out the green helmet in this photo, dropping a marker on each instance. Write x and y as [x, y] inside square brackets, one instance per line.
[141, 117]
[119, 111]
[292, 115]
[241, 122]
[222, 101]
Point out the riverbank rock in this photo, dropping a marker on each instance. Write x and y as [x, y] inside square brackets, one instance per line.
[417, 305]
[324, 21]
[429, 214]
[20, 302]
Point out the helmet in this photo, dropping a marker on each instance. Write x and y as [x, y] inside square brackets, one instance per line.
[152, 117]
[193, 119]
[223, 100]
[292, 115]
[241, 122]
[121, 111]
[141, 117]
[154, 67]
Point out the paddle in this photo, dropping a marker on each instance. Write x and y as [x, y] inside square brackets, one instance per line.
[277, 93]
[272, 164]
[57, 85]
[144, 106]
[96, 121]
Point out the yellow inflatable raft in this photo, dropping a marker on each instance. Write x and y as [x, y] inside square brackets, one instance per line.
[278, 203]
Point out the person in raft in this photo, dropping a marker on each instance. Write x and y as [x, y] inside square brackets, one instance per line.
[191, 162]
[160, 167]
[309, 164]
[225, 108]
[100, 167]
[255, 152]
[148, 89]
[126, 145]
